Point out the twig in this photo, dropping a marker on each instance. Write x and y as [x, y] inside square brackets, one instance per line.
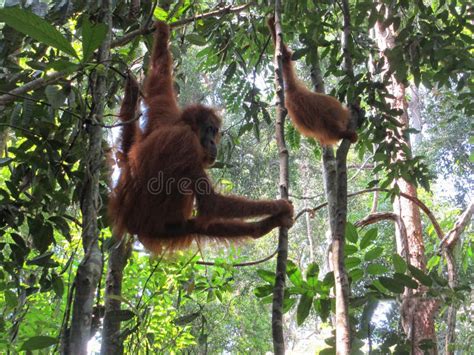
[415, 200]
[249, 263]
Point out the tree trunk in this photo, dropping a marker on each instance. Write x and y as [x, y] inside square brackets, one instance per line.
[417, 314]
[90, 269]
[279, 289]
[119, 254]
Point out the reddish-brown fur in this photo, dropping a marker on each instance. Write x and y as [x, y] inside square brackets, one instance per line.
[171, 148]
[315, 115]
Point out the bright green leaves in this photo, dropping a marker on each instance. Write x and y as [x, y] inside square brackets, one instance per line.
[306, 292]
[34, 26]
[92, 37]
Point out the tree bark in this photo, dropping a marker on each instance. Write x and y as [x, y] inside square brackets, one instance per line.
[417, 313]
[279, 288]
[90, 269]
[119, 254]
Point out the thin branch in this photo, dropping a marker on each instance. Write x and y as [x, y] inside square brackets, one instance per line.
[376, 217]
[453, 235]
[415, 200]
[248, 263]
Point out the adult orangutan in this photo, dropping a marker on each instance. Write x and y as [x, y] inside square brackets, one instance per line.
[315, 115]
[163, 170]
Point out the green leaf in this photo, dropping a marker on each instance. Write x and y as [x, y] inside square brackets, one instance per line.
[350, 249]
[376, 269]
[38, 342]
[11, 300]
[352, 262]
[391, 284]
[196, 39]
[34, 26]
[434, 261]
[328, 279]
[420, 276]
[294, 273]
[373, 253]
[303, 309]
[356, 274]
[312, 274]
[406, 280]
[438, 279]
[92, 37]
[322, 307]
[263, 291]
[399, 264]
[351, 233]
[368, 238]
[312, 271]
[327, 351]
[160, 14]
[266, 275]
[288, 303]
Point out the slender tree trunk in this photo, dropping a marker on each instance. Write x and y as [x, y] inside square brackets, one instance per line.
[90, 269]
[448, 244]
[119, 254]
[417, 313]
[335, 181]
[279, 289]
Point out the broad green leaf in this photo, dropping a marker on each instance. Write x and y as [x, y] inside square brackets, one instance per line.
[322, 307]
[356, 274]
[263, 291]
[92, 37]
[350, 249]
[373, 254]
[434, 261]
[196, 39]
[266, 275]
[312, 271]
[352, 262]
[438, 279]
[327, 351]
[312, 274]
[11, 300]
[160, 14]
[328, 279]
[420, 276]
[406, 280]
[368, 238]
[288, 303]
[303, 309]
[351, 233]
[376, 269]
[391, 284]
[34, 26]
[294, 273]
[399, 264]
[38, 342]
